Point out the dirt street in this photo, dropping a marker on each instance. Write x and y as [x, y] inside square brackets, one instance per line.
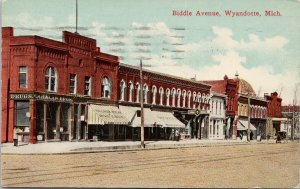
[260, 165]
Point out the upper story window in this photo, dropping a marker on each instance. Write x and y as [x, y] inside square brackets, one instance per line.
[87, 85]
[51, 79]
[73, 83]
[23, 77]
[122, 90]
[106, 87]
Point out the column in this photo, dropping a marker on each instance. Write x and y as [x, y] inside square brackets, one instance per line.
[71, 122]
[11, 120]
[45, 122]
[58, 109]
[32, 129]
[78, 122]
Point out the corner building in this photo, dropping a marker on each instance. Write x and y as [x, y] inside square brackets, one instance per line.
[48, 85]
[70, 90]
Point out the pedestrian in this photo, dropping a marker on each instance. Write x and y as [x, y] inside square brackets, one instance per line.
[251, 135]
[177, 135]
[172, 135]
[17, 130]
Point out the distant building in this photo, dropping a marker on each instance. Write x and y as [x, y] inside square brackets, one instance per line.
[288, 112]
[238, 91]
[275, 118]
[217, 117]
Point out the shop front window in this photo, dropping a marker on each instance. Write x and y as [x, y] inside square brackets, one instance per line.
[23, 80]
[22, 113]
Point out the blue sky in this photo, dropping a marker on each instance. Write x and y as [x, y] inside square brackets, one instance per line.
[263, 50]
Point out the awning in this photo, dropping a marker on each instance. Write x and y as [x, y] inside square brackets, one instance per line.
[102, 114]
[168, 119]
[150, 120]
[243, 125]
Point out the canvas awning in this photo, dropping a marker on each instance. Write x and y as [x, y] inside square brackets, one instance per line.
[103, 114]
[243, 125]
[150, 120]
[168, 119]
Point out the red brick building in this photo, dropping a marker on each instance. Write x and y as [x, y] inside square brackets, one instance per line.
[47, 84]
[238, 92]
[70, 90]
[274, 113]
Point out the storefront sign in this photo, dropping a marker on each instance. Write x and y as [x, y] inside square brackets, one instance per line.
[46, 97]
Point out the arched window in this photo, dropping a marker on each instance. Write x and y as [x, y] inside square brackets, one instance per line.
[130, 91]
[183, 98]
[106, 87]
[194, 99]
[189, 98]
[51, 79]
[161, 94]
[146, 89]
[173, 96]
[154, 91]
[178, 97]
[198, 100]
[138, 92]
[168, 97]
[122, 90]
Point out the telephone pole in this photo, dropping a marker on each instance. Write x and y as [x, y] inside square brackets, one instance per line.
[248, 138]
[76, 16]
[142, 104]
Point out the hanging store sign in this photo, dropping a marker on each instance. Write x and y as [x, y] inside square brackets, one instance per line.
[197, 112]
[37, 96]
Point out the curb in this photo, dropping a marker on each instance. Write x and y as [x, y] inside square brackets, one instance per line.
[138, 148]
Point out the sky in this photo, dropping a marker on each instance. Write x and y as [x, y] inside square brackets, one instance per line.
[264, 50]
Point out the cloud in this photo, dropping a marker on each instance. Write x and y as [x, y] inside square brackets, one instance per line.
[212, 57]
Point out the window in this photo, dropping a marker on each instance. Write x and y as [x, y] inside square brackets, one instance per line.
[138, 92]
[73, 83]
[51, 80]
[87, 85]
[161, 92]
[106, 87]
[23, 77]
[22, 113]
[122, 90]
[130, 91]
[154, 91]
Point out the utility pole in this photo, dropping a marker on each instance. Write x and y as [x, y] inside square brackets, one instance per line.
[76, 16]
[248, 118]
[142, 104]
[293, 121]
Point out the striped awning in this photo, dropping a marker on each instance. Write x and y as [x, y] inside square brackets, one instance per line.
[150, 120]
[168, 119]
[243, 125]
[103, 114]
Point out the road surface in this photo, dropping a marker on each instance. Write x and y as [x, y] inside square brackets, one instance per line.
[256, 165]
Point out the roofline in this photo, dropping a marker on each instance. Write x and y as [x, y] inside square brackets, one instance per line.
[168, 75]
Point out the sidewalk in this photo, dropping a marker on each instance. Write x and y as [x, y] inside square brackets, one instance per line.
[101, 146]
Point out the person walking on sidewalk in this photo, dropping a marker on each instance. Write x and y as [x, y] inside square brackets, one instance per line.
[16, 131]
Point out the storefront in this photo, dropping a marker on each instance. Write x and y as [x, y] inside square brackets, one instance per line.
[50, 117]
[242, 130]
[106, 122]
[157, 124]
